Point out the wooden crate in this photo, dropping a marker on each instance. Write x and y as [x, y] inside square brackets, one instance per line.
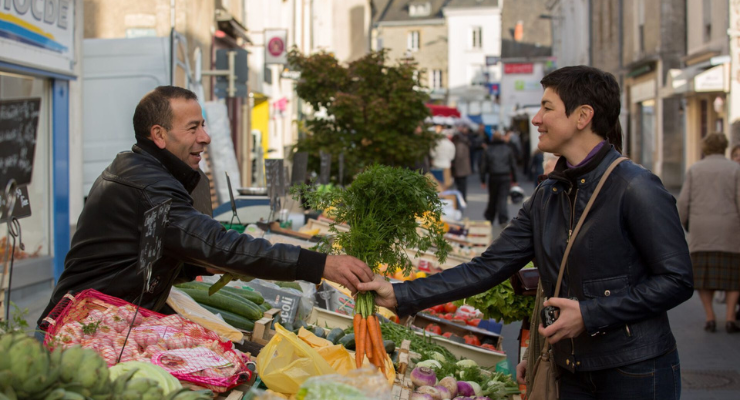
[263, 329]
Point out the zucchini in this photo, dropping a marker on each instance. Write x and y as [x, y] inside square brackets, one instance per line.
[348, 341]
[254, 297]
[390, 346]
[226, 302]
[237, 321]
[334, 335]
[291, 285]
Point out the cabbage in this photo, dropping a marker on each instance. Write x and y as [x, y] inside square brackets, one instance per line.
[167, 382]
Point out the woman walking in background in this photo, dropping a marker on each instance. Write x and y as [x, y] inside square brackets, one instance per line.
[709, 206]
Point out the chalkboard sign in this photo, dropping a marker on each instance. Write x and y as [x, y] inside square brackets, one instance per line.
[19, 122]
[300, 165]
[22, 206]
[275, 179]
[152, 237]
[325, 168]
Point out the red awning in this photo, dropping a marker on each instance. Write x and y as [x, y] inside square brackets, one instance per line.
[443, 111]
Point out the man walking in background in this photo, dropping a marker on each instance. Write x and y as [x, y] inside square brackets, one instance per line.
[499, 165]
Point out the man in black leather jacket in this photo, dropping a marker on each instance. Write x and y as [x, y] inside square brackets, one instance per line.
[629, 264]
[163, 165]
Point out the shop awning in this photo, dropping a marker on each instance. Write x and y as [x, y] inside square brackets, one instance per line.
[443, 111]
[678, 81]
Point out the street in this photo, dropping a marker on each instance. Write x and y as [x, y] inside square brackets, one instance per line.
[709, 361]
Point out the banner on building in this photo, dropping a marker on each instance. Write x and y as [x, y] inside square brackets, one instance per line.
[38, 33]
[276, 46]
[518, 68]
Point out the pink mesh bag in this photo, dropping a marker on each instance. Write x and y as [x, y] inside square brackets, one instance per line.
[185, 349]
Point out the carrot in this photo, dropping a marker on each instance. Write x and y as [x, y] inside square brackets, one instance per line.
[360, 344]
[369, 351]
[377, 338]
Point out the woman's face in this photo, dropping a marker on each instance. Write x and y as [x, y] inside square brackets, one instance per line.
[736, 155]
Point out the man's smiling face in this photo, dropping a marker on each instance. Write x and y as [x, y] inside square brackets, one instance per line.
[188, 138]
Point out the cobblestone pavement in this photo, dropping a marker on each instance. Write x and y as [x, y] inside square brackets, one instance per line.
[710, 362]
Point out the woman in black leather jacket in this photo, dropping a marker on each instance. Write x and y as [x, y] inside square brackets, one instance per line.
[629, 264]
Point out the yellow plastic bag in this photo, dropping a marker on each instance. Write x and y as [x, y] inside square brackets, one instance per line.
[287, 361]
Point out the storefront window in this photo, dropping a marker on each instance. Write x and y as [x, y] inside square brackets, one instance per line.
[647, 132]
[36, 230]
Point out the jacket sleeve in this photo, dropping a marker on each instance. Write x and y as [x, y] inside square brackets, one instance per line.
[684, 202]
[511, 251]
[200, 240]
[651, 221]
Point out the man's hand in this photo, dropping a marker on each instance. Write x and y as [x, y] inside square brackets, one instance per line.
[521, 372]
[347, 271]
[568, 325]
[386, 297]
[214, 271]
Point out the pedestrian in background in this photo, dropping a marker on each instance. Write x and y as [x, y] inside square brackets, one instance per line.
[477, 139]
[461, 163]
[709, 206]
[735, 155]
[499, 166]
[442, 155]
[536, 166]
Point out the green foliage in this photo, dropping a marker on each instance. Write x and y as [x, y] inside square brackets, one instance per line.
[501, 304]
[17, 322]
[384, 207]
[373, 111]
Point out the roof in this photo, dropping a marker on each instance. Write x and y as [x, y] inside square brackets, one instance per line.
[378, 8]
[472, 3]
[398, 11]
[537, 32]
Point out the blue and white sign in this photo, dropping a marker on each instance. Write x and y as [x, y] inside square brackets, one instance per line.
[38, 33]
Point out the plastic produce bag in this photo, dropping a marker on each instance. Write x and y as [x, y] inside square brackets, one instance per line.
[188, 308]
[287, 361]
[358, 384]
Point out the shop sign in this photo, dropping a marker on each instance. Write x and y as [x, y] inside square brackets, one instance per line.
[38, 32]
[22, 206]
[519, 68]
[711, 80]
[276, 46]
[643, 91]
[527, 86]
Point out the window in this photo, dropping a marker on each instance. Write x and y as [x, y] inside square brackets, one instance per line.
[435, 79]
[707, 20]
[477, 38]
[420, 10]
[641, 25]
[413, 41]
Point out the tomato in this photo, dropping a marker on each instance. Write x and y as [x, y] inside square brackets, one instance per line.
[447, 316]
[439, 309]
[473, 322]
[488, 346]
[472, 340]
[433, 328]
[450, 308]
[447, 334]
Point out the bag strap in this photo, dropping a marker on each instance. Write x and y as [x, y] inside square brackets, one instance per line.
[573, 235]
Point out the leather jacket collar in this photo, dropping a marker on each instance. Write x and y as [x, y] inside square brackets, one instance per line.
[181, 171]
[568, 176]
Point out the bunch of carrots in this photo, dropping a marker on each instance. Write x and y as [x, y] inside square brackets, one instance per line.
[368, 339]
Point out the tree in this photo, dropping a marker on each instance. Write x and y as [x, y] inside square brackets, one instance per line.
[374, 112]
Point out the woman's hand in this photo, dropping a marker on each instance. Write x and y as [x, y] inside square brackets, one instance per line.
[386, 297]
[568, 325]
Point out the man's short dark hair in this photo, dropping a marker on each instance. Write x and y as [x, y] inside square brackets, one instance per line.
[154, 108]
[582, 85]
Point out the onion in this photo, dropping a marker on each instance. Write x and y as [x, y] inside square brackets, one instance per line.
[462, 398]
[444, 392]
[464, 389]
[451, 384]
[422, 376]
[420, 396]
[481, 398]
[432, 391]
[476, 388]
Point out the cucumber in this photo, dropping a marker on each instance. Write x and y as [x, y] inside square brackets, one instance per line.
[265, 306]
[348, 341]
[334, 335]
[237, 321]
[226, 302]
[291, 285]
[319, 331]
[250, 295]
[390, 346]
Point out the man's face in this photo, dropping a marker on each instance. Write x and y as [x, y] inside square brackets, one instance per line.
[555, 128]
[188, 138]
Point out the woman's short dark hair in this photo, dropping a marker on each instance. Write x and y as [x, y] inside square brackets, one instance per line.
[582, 85]
[714, 143]
[154, 108]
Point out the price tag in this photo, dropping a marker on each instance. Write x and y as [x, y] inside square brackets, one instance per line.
[300, 166]
[152, 236]
[22, 206]
[325, 168]
[19, 122]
